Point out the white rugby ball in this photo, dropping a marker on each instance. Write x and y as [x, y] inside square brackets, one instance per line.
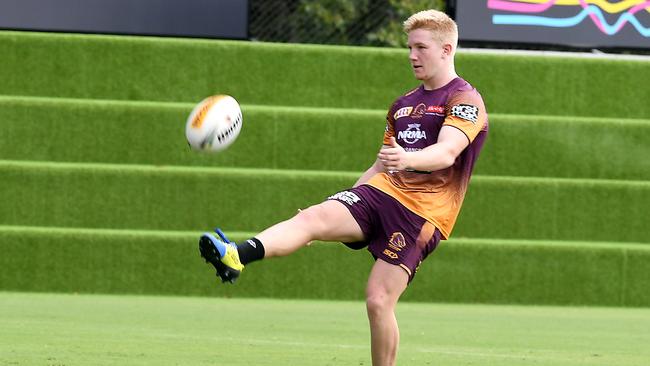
[214, 123]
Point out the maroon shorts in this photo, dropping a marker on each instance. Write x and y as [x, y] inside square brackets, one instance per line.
[392, 232]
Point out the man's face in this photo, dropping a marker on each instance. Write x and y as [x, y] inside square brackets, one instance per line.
[426, 54]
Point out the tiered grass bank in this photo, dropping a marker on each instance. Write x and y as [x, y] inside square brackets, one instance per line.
[100, 193]
[461, 270]
[332, 139]
[173, 198]
[180, 70]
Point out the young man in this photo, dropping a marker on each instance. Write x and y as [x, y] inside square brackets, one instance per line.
[407, 201]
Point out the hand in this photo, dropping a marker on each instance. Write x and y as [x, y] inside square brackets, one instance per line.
[393, 156]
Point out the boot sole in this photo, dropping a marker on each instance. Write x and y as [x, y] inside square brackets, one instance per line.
[211, 255]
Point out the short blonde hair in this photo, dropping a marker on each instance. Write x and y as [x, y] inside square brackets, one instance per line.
[444, 28]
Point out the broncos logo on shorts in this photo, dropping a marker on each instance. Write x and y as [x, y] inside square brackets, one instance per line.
[397, 241]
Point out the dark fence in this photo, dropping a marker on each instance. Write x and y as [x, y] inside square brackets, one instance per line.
[344, 22]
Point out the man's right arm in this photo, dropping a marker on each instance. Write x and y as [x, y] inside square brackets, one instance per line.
[378, 167]
[375, 168]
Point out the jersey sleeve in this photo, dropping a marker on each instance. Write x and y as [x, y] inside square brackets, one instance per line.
[465, 111]
[390, 124]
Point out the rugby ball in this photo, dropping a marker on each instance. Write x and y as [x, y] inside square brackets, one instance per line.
[214, 123]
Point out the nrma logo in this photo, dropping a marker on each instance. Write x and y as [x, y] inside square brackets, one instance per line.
[412, 134]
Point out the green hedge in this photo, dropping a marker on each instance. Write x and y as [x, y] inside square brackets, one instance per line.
[164, 198]
[487, 271]
[166, 69]
[308, 138]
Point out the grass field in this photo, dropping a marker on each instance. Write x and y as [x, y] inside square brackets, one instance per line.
[56, 329]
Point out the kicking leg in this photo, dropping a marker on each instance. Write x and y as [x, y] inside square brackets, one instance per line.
[386, 284]
[327, 221]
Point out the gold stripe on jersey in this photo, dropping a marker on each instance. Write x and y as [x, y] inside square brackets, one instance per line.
[469, 128]
[411, 92]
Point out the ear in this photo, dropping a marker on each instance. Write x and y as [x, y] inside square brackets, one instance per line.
[447, 49]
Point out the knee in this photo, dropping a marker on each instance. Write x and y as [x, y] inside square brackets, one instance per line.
[378, 302]
[312, 218]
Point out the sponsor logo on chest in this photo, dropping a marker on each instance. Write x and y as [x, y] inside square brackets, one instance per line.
[412, 134]
[438, 110]
[418, 111]
[403, 112]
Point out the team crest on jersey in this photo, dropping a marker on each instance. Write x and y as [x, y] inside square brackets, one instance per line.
[403, 112]
[419, 110]
[466, 112]
[412, 134]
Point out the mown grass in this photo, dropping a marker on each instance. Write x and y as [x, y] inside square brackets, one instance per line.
[57, 329]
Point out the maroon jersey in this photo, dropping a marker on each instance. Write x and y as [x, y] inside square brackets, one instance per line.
[415, 120]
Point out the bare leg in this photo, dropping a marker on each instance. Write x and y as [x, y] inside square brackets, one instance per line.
[327, 221]
[385, 285]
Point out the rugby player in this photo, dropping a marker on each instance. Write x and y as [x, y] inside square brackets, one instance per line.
[407, 201]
